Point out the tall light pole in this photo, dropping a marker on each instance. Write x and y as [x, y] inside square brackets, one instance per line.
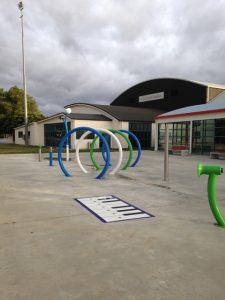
[20, 6]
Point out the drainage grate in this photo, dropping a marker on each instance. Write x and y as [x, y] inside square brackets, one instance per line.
[112, 209]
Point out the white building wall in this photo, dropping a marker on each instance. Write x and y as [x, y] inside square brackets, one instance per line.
[93, 124]
[37, 131]
[98, 124]
[19, 141]
[37, 128]
[33, 139]
[125, 125]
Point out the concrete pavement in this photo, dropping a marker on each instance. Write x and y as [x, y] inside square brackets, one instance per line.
[53, 248]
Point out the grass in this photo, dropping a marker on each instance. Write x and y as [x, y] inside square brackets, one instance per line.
[20, 149]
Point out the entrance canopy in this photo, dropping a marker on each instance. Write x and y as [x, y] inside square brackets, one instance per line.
[200, 127]
[212, 110]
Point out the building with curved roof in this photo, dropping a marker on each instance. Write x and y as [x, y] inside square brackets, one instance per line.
[144, 109]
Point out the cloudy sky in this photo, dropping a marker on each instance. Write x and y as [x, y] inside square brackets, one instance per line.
[91, 51]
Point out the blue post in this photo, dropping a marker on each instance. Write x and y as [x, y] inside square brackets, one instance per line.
[50, 157]
[66, 127]
[67, 140]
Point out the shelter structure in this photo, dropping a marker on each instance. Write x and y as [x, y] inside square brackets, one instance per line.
[200, 127]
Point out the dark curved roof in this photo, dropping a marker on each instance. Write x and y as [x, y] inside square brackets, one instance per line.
[125, 113]
[175, 93]
[205, 84]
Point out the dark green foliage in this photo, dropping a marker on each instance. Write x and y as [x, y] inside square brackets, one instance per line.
[12, 109]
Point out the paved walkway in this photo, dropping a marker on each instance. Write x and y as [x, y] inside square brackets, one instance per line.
[51, 248]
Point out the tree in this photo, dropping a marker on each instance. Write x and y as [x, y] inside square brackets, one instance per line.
[12, 109]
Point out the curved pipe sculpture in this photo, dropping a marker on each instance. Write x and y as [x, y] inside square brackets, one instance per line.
[118, 145]
[213, 172]
[127, 164]
[66, 136]
[137, 143]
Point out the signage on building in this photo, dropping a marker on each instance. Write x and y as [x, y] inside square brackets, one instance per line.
[151, 97]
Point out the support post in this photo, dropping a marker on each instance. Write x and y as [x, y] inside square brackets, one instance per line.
[67, 152]
[190, 137]
[166, 153]
[156, 136]
[39, 154]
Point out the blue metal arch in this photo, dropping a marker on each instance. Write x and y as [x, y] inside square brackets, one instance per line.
[65, 138]
[138, 146]
[107, 137]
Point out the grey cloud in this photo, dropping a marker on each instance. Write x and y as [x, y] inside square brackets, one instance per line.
[92, 51]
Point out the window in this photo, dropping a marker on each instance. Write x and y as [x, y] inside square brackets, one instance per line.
[178, 134]
[54, 132]
[208, 135]
[90, 136]
[142, 130]
[20, 134]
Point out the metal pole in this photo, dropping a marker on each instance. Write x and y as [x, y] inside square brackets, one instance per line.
[190, 137]
[39, 154]
[20, 5]
[156, 137]
[67, 153]
[166, 153]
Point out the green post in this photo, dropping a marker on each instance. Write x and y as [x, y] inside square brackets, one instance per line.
[213, 172]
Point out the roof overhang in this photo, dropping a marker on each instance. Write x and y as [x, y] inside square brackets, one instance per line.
[194, 116]
[205, 112]
[95, 106]
[52, 117]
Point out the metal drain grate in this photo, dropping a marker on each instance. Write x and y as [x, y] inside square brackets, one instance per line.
[112, 209]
